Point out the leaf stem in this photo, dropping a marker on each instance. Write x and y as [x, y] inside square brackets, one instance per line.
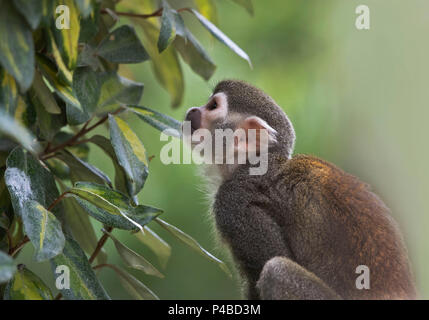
[13, 251]
[57, 200]
[100, 244]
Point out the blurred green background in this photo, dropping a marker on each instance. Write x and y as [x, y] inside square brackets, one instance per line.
[357, 98]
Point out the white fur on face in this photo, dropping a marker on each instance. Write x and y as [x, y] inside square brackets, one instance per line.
[208, 115]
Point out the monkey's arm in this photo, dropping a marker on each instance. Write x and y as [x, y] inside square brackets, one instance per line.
[283, 279]
[253, 238]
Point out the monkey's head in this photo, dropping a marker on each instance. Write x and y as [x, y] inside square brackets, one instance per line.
[237, 105]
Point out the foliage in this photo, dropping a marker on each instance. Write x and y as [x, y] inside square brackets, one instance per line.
[57, 85]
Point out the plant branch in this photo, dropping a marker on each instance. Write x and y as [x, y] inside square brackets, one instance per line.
[100, 244]
[13, 251]
[57, 200]
[48, 153]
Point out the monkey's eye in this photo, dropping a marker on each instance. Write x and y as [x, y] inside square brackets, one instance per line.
[212, 105]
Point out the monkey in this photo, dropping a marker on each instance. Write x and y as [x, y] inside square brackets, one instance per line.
[299, 230]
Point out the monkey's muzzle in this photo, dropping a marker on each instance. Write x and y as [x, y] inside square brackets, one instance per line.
[194, 116]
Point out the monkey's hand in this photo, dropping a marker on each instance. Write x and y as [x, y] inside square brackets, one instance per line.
[283, 279]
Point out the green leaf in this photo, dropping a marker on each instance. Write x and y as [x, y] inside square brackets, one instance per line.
[195, 55]
[192, 243]
[16, 45]
[8, 92]
[84, 284]
[67, 39]
[208, 9]
[82, 230]
[25, 285]
[106, 146]
[122, 46]
[48, 123]
[26, 179]
[133, 259]
[81, 170]
[168, 28]
[63, 72]
[134, 286]
[89, 26]
[130, 153]
[111, 207]
[116, 91]
[45, 95]
[31, 10]
[160, 121]
[221, 36]
[17, 132]
[63, 90]
[166, 65]
[7, 267]
[85, 7]
[155, 243]
[43, 229]
[86, 87]
[246, 4]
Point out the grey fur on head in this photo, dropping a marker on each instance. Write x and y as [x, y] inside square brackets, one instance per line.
[247, 99]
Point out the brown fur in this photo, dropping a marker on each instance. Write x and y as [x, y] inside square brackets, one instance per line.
[320, 222]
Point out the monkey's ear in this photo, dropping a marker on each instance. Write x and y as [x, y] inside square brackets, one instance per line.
[254, 134]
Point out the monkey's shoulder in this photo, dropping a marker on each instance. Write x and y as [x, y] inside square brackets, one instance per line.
[320, 174]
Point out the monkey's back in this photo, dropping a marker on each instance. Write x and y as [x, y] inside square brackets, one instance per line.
[333, 223]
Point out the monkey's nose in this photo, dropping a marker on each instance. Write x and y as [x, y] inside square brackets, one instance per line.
[194, 116]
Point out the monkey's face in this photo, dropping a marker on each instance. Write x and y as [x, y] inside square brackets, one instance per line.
[228, 134]
[208, 116]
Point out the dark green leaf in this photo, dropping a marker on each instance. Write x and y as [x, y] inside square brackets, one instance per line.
[192, 243]
[133, 259]
[7, 267]
[106, 146]
[84, 285]
[26, 179]
[16, 45]
[168, 27]
[130, 153]
[160, 121]
[31, 10]
[45, 95]
[111, 207]
[43, 229]
[122, 46]
[81, 170]
[221, 36]
[78, 221]
[116, 91]
[25, 285]
[48, 123]
[86, 87]
[9, 127]
[154, 242]
[195, 55]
